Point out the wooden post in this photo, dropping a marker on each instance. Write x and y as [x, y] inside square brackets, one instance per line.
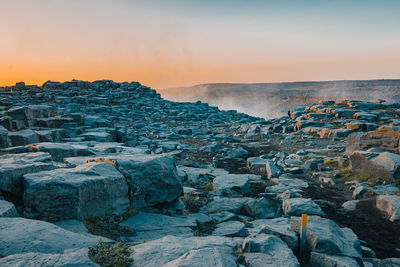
[303, 227]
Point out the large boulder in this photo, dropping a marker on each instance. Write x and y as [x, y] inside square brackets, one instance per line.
[152, 179]
[171, 250]
[384, 165]
[70, 257]
[14, 166]
[267, 250]
[92, 189]
[390, 205]
[19, 235]
[23, 137]
[279, 227]
[28, 114]
[391, 163]
[383, 138]
[326, 237]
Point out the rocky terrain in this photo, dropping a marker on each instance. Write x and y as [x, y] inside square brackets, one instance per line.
[270, 100]
[111, 174]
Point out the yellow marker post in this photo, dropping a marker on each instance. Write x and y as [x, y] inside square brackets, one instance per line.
[303, 227]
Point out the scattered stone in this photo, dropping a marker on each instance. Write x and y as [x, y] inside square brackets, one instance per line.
[298, 206]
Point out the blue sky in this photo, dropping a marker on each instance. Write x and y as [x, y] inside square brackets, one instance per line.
[182, 42]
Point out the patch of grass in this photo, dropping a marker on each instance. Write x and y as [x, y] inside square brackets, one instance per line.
[348, 175]
[194, 203]
[363, 177]
[202, 185]
[111, 254]
[246, 222]
[329, 162]
[204, 228]
[110, 226]
[345, 173]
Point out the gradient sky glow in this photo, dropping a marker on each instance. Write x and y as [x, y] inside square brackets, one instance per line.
[170, 43]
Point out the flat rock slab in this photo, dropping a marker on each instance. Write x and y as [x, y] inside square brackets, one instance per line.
[93, 189]
[7, 209]
[70, 257]
[230, 228]
[268, 250]
[152, 221]
[171, 249]
[151, 226]
[298, 206]
[14, 166]
[19, 235]
[279, 227]
[59, 151]
[390, 205]
[205, 257]
[236, 182]
[269, 260]
[233, 205]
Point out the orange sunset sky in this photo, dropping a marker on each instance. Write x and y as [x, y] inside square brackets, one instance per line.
[178, 43]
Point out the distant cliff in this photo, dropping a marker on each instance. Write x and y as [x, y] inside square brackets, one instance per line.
[274, 99]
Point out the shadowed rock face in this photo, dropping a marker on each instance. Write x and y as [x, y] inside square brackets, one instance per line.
[385, 139]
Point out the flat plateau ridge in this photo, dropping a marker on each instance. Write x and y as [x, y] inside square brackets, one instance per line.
[275, 99]
[111, 174]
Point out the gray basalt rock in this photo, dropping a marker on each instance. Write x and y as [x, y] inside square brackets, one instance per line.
[14, 166]
[326, 237]
[151, 226]
[279, 227]
[152, 179]
[268, 250]
[70, 257]
[384, 138]
[390, 205]
[7, 209]
[170, 250]
[298, 206]
[93, 189]
[325, 260]
[23, 137]
[19, 235]
[4, 140]
[230, 228]
[235, 182]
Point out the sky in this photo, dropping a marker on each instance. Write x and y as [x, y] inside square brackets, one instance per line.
[174, 43]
